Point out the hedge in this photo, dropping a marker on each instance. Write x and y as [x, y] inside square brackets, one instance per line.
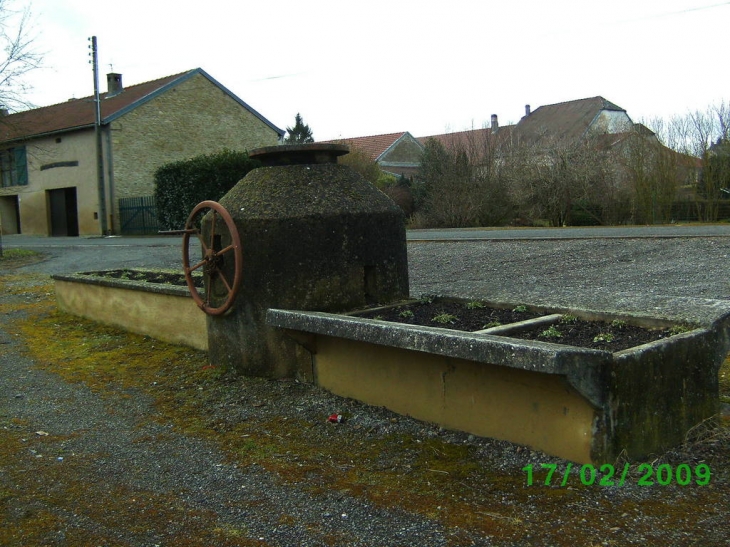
[181, 185]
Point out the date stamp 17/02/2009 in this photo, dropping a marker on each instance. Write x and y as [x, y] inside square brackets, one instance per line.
[606, 475]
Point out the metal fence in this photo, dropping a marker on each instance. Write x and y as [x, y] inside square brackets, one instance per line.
[138, 216]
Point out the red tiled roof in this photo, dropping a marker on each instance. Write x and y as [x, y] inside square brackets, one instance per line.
[472, 141]
[75, 113]
[80, 113]
[373, 146]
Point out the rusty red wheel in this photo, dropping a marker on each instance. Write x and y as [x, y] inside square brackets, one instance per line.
[215, 263]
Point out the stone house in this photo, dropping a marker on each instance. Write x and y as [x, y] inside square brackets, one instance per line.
[51, 165]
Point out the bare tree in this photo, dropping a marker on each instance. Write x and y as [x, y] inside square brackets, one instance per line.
[709, 127]
[563, 182]
[462, 183]
[19, 55]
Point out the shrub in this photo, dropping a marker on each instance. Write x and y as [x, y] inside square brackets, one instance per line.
[181, 185]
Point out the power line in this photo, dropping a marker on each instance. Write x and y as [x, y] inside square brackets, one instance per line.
[670, 13]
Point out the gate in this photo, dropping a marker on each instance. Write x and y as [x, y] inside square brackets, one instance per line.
[138, 216]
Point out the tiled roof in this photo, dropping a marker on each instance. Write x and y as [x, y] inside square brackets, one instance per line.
[75, 113]
[476, 142]
[374, 146]
[468, 138]
[568, 120]
[80, 113]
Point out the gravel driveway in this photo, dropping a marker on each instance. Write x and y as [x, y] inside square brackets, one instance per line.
[135, 461]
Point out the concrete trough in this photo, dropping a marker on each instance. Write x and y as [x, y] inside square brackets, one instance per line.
[162, 311]
[584, 405]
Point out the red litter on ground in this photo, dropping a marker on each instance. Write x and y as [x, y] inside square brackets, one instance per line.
[336, 419]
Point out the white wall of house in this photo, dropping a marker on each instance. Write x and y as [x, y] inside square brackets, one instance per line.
[611, 121]
[55, 163]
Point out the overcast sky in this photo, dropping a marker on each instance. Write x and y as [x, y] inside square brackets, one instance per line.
[357, 68]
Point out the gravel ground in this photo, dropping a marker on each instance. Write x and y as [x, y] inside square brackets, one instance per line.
[122, 446]
[599, 274]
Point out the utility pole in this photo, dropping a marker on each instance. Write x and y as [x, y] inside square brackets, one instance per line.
[97, 130]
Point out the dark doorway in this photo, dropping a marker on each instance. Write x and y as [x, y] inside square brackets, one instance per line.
[64, 212]
[10, 214]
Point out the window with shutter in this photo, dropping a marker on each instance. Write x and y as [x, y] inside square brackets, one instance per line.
[13, 167]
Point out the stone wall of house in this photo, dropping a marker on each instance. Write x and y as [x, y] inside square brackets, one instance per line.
[195, 117]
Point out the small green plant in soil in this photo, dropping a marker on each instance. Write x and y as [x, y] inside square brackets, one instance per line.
[568, 319]
[605, 337]
[406, 314]
[444, 318]
[426, 298]
[520, 309]
[474, 305]
[679, 329]
[618, 324]
[551, 332]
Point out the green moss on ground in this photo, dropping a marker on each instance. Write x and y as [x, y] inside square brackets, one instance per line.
[15, 258]
[451, 483]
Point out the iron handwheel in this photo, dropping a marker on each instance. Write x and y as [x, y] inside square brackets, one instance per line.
[213, 260]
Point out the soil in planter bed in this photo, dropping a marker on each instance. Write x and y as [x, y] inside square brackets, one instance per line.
[462, 316]
[614, 336]
[167, 278]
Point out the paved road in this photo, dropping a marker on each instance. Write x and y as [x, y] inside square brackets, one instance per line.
[676, 271]
[78, 254]
[592, 232]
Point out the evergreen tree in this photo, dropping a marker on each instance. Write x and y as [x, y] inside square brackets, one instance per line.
[300, 133]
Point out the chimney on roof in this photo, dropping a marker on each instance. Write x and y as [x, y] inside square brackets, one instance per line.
[113, 84]
[527, 110]
[495, 122]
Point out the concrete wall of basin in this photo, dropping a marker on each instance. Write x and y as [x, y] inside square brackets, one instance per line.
[163, 312]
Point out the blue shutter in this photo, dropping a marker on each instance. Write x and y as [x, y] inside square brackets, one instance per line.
[21, 166]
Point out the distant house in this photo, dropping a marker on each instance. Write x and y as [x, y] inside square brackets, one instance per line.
[568, 121]
[573, 120]
[606, 124]
[395, 153]
[49, 162]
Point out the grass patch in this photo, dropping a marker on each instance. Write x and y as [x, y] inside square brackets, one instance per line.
[15, 258]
